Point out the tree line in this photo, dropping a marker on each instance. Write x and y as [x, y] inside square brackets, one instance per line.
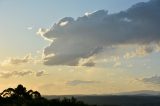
[20, 96]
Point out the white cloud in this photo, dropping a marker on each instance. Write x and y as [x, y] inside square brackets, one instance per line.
[29, 28]
[63, 23]
[41, 32]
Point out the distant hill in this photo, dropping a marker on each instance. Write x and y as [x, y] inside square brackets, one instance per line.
[142, 93]
[118, 100]
[135, 98]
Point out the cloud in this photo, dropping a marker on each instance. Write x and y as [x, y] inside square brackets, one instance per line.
[117, 64]
[22, 60]
[29, 28]
[141, 51]
[75, 39]
[16, 61]
[40, 73]
[8, 74]
[42, 31]
[89, 64]
[24, 72]
[152, 80]
[79, 82]
[49, 85]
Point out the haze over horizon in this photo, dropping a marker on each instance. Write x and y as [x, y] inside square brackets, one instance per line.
[80, 47]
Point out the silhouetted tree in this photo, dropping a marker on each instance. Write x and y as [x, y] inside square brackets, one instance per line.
[20, 92]
[36, 95]
[7, 93]
[19, 96]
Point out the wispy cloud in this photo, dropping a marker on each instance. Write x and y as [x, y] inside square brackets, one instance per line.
[141, 51]
[16, 61]
[7, 74]
[29, 28]
[22, 60]
[40, 73]
[79, 82]
[152, 80]
[21, 73]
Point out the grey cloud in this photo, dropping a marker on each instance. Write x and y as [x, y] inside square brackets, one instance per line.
[40, 73]
[7, 74]
[152, 80]
[79, 82]
[76, 39]
[47, 86]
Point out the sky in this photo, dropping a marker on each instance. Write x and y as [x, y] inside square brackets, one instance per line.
[80, 46]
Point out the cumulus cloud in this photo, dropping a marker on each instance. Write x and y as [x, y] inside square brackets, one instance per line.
[85, 37]
[79, 82]
[152, 80]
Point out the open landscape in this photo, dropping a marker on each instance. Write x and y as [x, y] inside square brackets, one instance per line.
[79, 53]
[125, 99]
[20, 96]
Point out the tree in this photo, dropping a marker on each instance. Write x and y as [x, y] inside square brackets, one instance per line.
[20, 92]
[7, 93]
[19, 96]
